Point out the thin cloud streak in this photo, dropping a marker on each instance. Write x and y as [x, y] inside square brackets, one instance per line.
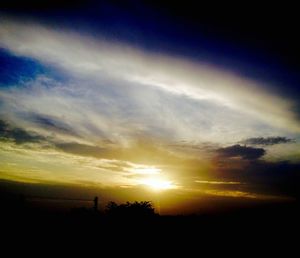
[217, 182]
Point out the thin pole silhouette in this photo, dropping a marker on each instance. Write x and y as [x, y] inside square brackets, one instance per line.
[96, 203]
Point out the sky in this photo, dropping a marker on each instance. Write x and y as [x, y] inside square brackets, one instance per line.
[135, 100]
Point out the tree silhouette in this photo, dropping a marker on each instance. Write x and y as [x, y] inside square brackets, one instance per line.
[128, 210]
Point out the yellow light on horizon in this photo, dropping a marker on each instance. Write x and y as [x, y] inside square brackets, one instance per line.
[158, 184]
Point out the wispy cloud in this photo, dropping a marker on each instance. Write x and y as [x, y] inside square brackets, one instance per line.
[18, 135]
[267, 140]
[83, 57]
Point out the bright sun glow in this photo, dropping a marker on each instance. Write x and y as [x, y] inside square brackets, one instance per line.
[147, 170]
[158, 184]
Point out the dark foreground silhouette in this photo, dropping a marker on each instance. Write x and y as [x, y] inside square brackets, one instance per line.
[137, 224]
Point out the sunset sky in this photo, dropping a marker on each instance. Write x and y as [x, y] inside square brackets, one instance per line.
[140, 101]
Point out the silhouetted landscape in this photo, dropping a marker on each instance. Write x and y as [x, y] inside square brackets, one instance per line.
[139, 222]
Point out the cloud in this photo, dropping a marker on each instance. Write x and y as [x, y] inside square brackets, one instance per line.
[51, 123]
[281, 178]
[92, 110]
[260, 176]
[244, 152]
[243, 100]
[81, 149]
[217, 182]
[267, 140]
[18, 135]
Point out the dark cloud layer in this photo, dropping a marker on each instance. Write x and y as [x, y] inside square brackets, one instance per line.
[18, 135]
[280, 178]
[267, 140]
[51, 123]
[244, 152]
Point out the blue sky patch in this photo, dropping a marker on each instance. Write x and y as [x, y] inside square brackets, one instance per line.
[18, 69]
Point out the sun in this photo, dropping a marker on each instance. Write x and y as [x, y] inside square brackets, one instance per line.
[158, 184]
